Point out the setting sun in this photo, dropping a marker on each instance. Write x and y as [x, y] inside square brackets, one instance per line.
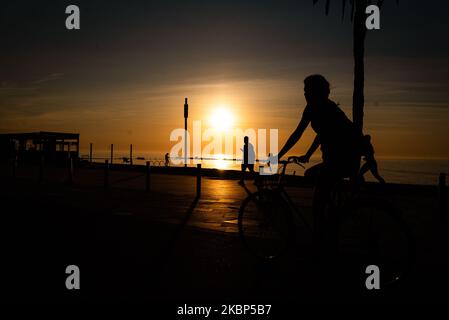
[221, 119]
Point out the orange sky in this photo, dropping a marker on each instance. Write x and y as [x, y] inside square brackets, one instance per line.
[126, 84]
[397, 130]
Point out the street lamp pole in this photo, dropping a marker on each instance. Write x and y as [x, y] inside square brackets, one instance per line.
[186, 115]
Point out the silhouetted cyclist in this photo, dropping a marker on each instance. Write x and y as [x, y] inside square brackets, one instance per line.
[340, 146]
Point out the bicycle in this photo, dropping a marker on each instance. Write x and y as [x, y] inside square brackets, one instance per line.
[371, 230]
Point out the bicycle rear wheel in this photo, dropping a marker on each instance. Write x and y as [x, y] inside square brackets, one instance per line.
[265, 225]
[377, 235]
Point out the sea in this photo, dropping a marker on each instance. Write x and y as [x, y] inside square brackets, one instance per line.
[393, 170]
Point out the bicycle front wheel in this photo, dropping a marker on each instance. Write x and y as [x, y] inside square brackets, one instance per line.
[265, 225]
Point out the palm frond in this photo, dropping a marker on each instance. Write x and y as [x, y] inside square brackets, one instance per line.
[381, 2]
[352, 4]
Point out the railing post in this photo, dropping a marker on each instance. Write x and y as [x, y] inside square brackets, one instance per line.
[147, 176]
[131, 155]
[106, 174]
[442, 195]
[198, 180]
[90, 153]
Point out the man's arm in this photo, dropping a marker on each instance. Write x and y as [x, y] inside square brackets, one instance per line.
[313, 147]
[306, 158]
[295, 136]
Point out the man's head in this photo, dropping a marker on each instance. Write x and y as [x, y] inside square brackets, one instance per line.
[246, 139]
[316, 88]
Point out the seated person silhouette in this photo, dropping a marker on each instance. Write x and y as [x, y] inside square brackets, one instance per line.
[339, 139]
[249, 157]
[370, 164]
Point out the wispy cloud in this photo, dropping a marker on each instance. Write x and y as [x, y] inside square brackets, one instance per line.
[48, 78]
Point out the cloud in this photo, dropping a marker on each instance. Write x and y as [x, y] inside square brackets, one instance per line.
[48, 78]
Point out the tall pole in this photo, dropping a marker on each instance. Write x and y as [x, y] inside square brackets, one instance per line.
[186, 115]
[359, 35]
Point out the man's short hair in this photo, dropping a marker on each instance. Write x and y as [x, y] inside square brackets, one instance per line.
[317, 84]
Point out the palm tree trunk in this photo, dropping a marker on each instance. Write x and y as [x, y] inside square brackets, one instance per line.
[359, 33]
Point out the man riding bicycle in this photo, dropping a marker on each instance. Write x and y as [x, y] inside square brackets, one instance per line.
[339, 139]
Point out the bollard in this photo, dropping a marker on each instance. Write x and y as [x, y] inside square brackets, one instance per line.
[147, 176]
[41, 169]
[198, 180]
[442, 196]
[106, 174]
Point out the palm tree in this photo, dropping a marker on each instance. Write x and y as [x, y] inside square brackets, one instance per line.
[358, 18]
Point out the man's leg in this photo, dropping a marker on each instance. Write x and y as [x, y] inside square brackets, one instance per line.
[321, 231]
[321, 199]
[375, 171]
[313, 172]
[251, 169]
[364, 169]
[242, 179]
[317, 203]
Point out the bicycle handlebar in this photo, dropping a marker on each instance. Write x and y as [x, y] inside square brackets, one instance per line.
[286, 162]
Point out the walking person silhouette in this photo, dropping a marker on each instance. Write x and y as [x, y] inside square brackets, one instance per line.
[370, 162]
[167, 160]
[249, 157]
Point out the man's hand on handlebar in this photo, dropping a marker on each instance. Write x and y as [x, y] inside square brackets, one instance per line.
[298, 160]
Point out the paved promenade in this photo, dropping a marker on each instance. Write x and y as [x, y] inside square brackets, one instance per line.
[168, 244]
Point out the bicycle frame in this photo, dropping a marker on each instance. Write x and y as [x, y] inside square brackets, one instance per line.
[343, 204]
[279, 187]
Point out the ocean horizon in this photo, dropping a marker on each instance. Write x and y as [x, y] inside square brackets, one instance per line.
[394, 170]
